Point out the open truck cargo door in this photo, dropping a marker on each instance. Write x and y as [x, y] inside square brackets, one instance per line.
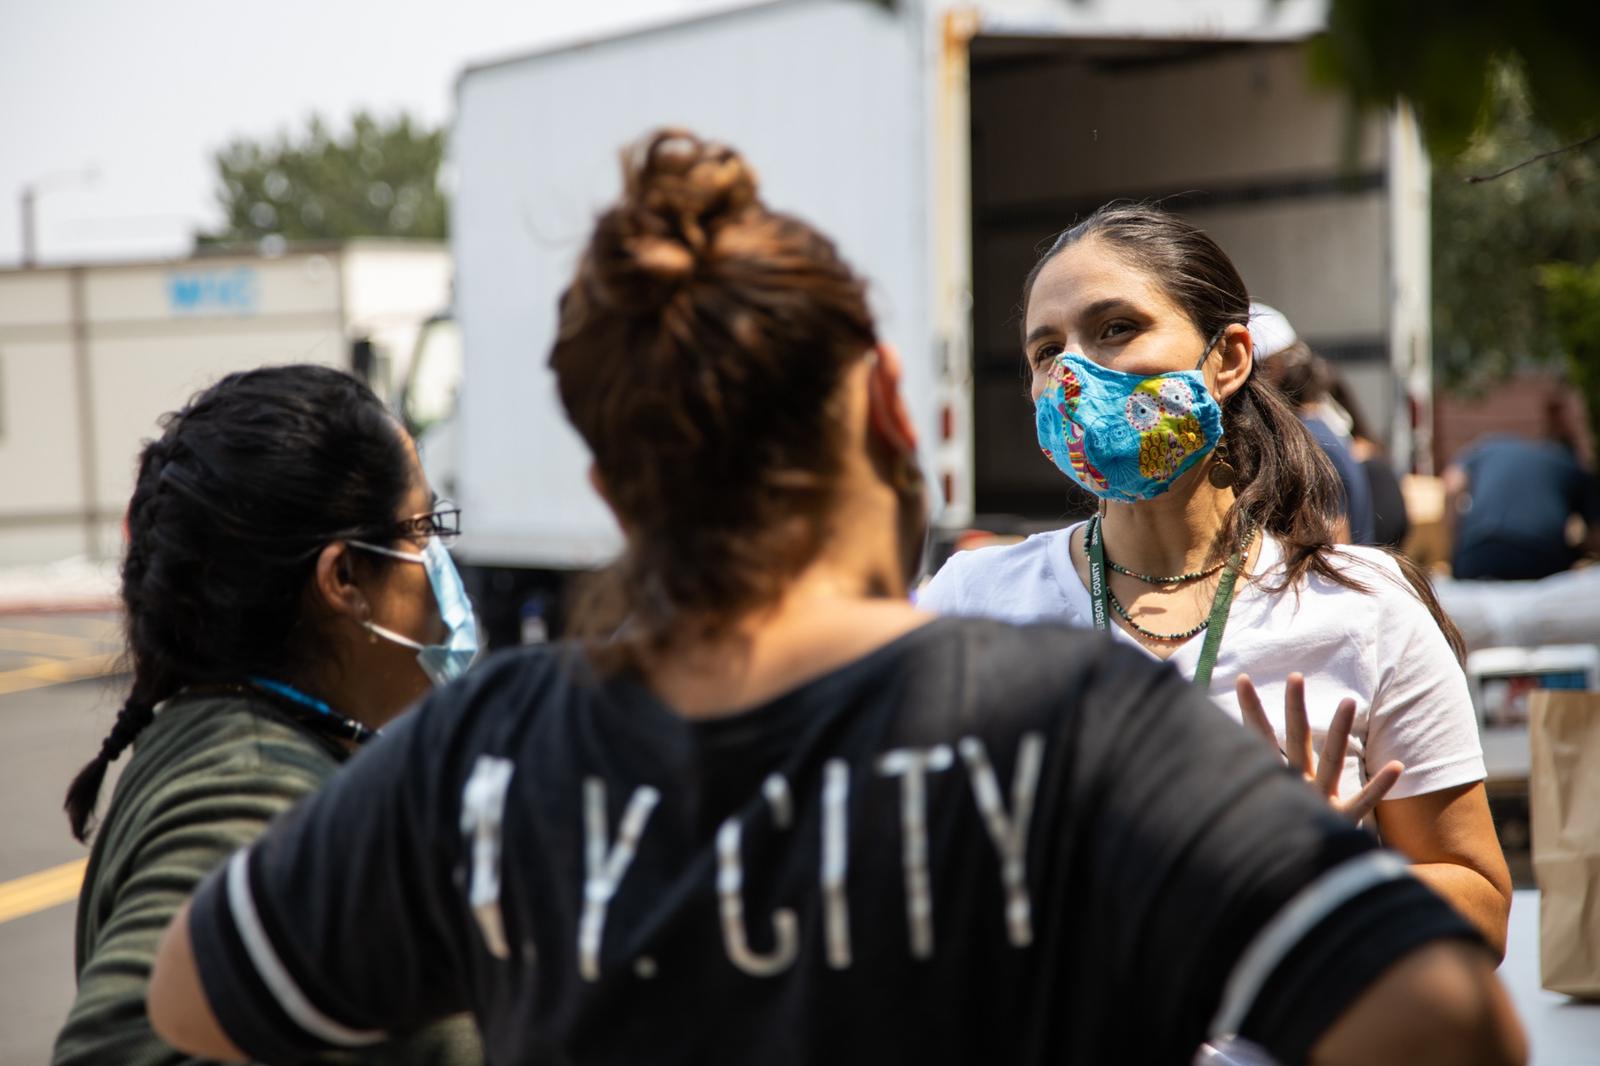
[1217, 121]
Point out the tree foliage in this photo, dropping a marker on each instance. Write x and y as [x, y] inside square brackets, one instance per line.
[1441, 57]
[377, 178]
[1501, 89]
[1491, 237]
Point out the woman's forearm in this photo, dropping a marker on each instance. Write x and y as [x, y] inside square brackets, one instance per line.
[1473, 895]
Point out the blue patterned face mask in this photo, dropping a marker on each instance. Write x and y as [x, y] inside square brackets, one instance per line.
[445, 662]
[1122, 436]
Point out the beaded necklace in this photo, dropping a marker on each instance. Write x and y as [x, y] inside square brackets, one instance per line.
[1168, 583]
[1101, 596]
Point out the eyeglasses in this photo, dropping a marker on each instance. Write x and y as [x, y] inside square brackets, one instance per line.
[444, 522]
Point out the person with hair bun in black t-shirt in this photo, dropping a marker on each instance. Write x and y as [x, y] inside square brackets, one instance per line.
[761, 809]
[283, 551]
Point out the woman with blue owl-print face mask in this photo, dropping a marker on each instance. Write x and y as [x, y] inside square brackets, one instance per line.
[1214, 546]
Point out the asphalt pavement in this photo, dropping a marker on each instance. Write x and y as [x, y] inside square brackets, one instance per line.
[58, 698]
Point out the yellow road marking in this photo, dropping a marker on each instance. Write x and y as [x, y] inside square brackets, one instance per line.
[46, 674]
[41, 891]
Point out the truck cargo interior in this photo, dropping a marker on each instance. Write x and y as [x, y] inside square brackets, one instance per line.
[1229, 135]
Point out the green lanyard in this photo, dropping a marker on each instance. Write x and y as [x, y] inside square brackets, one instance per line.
[1221, 603]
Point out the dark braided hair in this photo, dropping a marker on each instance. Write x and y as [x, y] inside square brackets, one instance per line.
[230, 508]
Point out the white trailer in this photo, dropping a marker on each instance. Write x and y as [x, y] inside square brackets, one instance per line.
[940, 144]
[91, 356]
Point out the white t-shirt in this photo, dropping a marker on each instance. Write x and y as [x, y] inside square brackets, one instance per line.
[1381, 647]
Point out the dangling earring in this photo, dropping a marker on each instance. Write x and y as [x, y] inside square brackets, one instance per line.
[1221, 474]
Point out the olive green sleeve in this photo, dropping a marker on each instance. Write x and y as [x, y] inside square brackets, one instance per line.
[181, 831]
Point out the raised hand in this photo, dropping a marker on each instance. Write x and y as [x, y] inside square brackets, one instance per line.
[1323, 773]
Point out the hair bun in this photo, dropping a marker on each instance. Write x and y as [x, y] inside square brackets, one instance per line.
[678, 192]
[662, 258]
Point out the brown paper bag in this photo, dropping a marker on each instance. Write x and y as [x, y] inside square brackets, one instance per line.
[1564, 797]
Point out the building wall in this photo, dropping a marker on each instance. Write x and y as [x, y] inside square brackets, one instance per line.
[122, 344]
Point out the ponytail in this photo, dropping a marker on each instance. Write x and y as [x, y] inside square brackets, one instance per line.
[82, 794]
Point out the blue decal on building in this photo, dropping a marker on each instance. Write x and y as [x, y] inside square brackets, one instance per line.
[213, 291]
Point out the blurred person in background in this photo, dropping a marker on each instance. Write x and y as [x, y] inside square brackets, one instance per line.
[1303, 378]
[768, 811]
[1215, 546]
[1522, 509]
[1390, 522]
[286, 594]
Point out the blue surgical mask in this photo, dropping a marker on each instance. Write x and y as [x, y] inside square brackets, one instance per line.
[1124, 436]
[445, 662]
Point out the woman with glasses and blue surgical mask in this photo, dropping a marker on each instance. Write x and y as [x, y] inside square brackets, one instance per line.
[1214, 546]
[286, 593]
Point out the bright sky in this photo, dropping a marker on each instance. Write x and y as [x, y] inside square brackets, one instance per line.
[144, 93]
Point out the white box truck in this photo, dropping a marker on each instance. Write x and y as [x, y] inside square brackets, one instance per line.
[92, 355]
[940, 144]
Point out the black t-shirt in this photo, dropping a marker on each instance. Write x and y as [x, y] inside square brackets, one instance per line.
[978, 843]
[1390, 522]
